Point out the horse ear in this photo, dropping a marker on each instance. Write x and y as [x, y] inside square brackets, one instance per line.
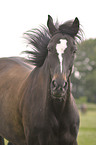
[75, 26]
[50, 25]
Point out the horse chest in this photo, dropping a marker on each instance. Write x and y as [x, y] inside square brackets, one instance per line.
[57, 136]
[65, 134]
[64, 131]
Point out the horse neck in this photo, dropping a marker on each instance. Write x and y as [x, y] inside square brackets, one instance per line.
[35, 88]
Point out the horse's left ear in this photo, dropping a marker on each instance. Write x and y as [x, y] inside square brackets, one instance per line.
[75, 26]
[50, 25]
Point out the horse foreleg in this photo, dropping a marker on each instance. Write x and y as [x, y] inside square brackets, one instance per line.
[1, 141]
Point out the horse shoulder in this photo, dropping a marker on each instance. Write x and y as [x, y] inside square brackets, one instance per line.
[13, 74]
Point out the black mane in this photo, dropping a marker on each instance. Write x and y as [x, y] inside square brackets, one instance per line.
[39, 39]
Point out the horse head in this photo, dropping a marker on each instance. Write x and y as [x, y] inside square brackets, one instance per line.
[61, 54]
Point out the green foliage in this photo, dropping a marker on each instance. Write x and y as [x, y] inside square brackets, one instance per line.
[84, 76]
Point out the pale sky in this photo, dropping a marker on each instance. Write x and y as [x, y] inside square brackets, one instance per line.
[18, 16]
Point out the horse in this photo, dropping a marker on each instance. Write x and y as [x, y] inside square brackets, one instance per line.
[36, 103]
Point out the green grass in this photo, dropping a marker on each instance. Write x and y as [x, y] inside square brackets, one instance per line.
[87, 131]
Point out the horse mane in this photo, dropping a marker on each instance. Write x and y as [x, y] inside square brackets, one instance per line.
[39, 39]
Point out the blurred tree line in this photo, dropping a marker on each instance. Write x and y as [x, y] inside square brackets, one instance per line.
[84, 75]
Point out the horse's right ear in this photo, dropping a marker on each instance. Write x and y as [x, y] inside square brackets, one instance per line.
[51, 26]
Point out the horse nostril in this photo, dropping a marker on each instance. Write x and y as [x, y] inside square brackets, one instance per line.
[54, 84]
[65, 84]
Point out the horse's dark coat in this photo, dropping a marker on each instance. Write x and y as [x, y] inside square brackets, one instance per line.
[29, 114]
[12, 75]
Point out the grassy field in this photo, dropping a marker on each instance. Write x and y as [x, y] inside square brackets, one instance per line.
[87, 132]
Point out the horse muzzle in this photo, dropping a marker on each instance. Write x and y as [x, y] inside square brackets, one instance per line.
[58, 90]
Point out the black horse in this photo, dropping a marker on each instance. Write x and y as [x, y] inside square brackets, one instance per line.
[36, 105]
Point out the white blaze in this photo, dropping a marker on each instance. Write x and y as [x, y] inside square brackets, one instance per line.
[60, 50]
